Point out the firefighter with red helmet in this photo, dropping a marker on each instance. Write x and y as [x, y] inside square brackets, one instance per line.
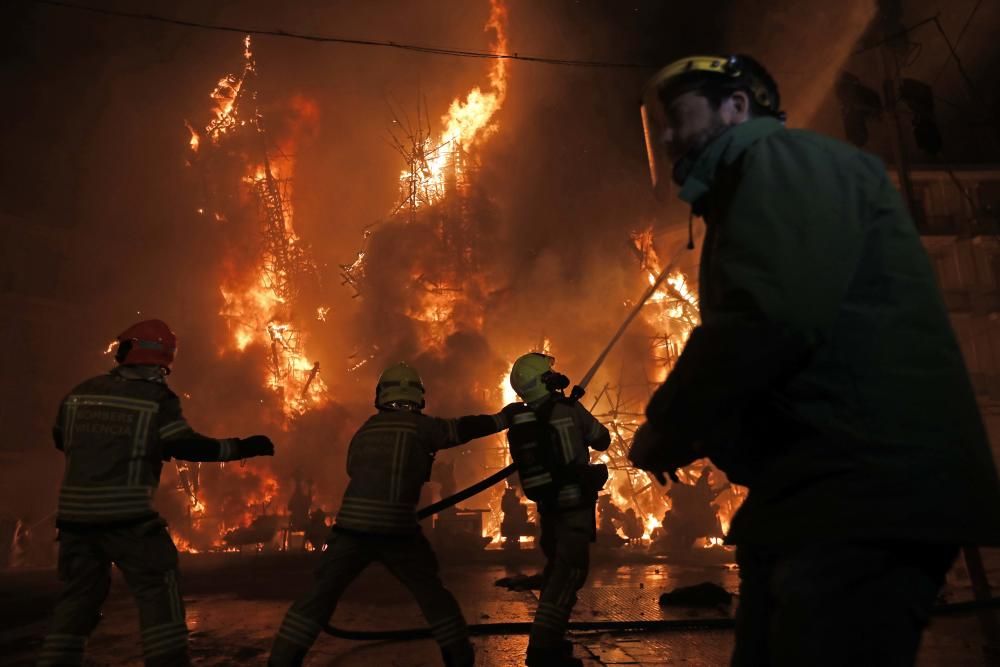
[388, 461]
[550, 437]
[116, 431]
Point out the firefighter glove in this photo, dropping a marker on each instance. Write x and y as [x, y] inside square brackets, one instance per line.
[652, 451]
[256, 445]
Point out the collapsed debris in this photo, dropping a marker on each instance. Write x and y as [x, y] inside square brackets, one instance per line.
[705, 594]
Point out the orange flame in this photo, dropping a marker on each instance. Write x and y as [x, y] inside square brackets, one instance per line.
[467, 123]
[255, 307]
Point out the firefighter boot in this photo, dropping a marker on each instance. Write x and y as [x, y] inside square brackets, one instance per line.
[459, 655]
[286, 656]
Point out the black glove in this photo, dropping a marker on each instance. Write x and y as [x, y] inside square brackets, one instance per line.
[651, 451]
[597, 477]
[256, 445]
[510, 410]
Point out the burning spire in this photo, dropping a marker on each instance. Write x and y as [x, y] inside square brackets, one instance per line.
[260, 301]
[448, 286]
[436, 164]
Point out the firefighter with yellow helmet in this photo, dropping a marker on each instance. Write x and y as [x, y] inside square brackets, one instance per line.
[549, 437]
[825, 377]
[116, 431]
[388, 461]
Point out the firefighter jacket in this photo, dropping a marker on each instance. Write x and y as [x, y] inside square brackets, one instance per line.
[825, 375]
[390, 458]
[116, 431]
[550, 443]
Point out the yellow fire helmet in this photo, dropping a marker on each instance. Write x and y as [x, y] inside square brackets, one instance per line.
[674, 80]
[527, 376]
[399, 386]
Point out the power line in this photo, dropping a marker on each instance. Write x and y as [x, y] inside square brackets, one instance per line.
[419, 48]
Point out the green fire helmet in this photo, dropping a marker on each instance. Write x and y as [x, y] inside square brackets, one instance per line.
[399, 386]
[527, 376]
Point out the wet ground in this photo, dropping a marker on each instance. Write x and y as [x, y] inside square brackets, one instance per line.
[235, 603]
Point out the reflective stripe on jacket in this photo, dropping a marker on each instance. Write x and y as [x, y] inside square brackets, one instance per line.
[389, 460]
[114, 430]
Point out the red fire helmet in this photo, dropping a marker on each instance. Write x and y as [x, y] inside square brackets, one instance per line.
[150, 342]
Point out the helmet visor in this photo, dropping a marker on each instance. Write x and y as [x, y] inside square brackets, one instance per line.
[655, 125]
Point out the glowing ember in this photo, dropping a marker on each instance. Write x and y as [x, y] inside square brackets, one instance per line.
[195, 139]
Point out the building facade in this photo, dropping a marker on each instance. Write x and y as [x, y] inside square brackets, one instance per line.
[957, 215]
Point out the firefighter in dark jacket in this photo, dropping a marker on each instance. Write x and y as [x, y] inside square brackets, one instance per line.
[116, 431]
[549, 438]
[388, 461]
[825, 377]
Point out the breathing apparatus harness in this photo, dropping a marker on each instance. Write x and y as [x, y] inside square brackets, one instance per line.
[548, 480]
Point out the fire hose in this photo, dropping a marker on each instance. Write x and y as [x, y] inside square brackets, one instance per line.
[482, 485]
[631, 626]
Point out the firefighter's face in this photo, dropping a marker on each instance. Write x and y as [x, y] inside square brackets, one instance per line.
[691, 122]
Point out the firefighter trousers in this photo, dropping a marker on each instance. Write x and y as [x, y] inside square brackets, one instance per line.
[828, 605]
[565, 541]
[408, 558]
[147, 558]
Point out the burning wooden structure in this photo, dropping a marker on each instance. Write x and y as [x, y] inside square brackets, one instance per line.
[436, 303]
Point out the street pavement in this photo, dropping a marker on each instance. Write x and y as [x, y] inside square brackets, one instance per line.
[235, 603]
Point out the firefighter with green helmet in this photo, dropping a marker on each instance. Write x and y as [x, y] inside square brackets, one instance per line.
[825, 377]
[549, 437]
[116, 431]
[388, 461]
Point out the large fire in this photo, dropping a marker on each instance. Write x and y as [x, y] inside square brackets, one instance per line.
[447, 293]
[263, 276]
[672, 314]
[258, 304]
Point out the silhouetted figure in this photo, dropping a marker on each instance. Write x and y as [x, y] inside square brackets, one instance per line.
[692, 514]
[515, 522]
[632, 527]
[317, 530]
[609, 517]
[299, 505]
